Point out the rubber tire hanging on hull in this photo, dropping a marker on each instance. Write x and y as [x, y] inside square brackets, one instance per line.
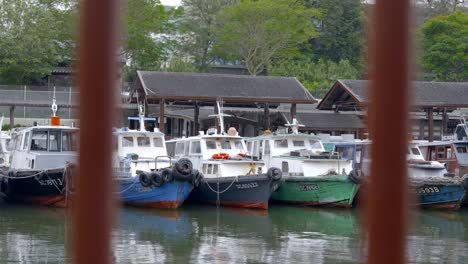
[156, 179]
[144, 179]
[355, 176]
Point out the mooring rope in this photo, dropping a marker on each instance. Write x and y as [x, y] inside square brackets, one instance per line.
[236, 179]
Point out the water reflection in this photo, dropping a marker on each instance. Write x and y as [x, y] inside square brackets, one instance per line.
[200, 234]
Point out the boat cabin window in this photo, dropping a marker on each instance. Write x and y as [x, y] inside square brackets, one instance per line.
[143, 141]
[238, 145]
[415, 151]
[127, 142]
[462, 149]
[170, 146]
[55, 141]
[281, 143]
[210, 144]
[157, 142]
[210, 169]
[39, 141]
[267, 147]
[26, 141]
[298, 143]
[249, 146]
[186, 148]
[69, 141]
[225, 144]
[179, 149]
[195, 147]
[314, 144]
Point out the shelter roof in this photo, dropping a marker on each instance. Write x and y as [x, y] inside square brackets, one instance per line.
[328, 121]
[231, 88]
[353, 94]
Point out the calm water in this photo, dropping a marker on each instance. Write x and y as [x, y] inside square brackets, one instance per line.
[201, 234]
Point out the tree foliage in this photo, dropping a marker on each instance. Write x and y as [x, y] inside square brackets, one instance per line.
[35, 36]
[318, 76]
[445, 47]
[341, 30]
[257, 31]
[200, 22]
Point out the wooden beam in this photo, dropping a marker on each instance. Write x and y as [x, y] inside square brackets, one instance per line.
[12, 117]
[387, 221]
[196, 114]
[430, 124]
[266, 116]
[161, 116]
[293, 111]
[444, 121]
[93, 210]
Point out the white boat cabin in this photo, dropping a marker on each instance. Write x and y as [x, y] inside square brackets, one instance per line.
[215, 155]
[4, 150]
[44, 147]
[297, 154]
[138, 150]
[418, 167]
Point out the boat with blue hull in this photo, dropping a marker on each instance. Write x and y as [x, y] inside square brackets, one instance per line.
[145, 174]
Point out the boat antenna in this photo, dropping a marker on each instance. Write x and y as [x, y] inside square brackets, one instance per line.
[220, 115]
[54, 105]
[294, 126]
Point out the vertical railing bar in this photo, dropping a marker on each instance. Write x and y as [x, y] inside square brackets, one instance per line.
[387, 199]
[93, 209]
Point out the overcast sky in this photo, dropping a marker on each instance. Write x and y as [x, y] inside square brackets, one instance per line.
[171, 2]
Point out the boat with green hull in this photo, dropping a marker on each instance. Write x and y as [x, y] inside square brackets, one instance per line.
[312, 176]
[337, 190]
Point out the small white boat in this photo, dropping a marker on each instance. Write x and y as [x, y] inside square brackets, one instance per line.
[4, 148]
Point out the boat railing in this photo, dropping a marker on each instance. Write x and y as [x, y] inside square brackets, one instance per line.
[160, 157]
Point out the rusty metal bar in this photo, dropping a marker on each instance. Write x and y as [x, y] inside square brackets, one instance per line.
[387, 198]
[97, 80]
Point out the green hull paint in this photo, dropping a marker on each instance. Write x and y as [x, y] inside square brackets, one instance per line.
[326, 190]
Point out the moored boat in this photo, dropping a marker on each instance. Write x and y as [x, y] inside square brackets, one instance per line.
[228, 178]
[312, 175]
[145, 174]
[42, 165]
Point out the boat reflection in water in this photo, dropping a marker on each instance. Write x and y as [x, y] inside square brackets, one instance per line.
[199, 234]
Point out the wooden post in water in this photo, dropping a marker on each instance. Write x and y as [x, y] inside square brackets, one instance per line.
[387, 199]
[94, 207]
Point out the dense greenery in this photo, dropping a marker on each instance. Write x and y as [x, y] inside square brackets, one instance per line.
[317, 41]
[445, 47]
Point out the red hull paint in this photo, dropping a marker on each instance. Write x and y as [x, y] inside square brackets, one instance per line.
[162, 204]
[54, 200]
[449, 206]
[251, 205]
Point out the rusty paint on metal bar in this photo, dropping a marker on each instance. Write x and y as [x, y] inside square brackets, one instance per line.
[93, 210]
[387, 197]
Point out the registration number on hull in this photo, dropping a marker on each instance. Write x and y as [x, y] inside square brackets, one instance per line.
[308, 187]
[247, 185]
[432, 189]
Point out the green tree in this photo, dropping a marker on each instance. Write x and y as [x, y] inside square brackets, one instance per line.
[341, 30]
[146, 28]
[35, 36]
[257, 31]
[200, 22]
[318, 76]
[445, 47]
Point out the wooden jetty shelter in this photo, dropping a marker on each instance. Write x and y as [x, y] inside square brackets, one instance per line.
[194, 90]
[429, 98]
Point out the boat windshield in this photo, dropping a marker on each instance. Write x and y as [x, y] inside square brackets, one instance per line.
[224, 144]
[462, 152]
[54, 140]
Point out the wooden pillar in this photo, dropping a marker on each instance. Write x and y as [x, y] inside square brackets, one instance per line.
[293, 111]
[12, 116]
[444, 122]
[94, 207]
[430, 124]
[161, 116]
[387, 222]
[196, 124]
[266, 116]
[422, 128]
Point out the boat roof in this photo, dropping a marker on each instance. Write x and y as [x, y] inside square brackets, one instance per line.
[125, 130]
[284, 135]
[199, 137]
[24, 129]
[442, 143]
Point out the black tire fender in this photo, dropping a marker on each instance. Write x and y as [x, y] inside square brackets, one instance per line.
[144, 179]
[156, 179]
[166, 174]
[183, 166]
[275, 173]
[355, 176]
